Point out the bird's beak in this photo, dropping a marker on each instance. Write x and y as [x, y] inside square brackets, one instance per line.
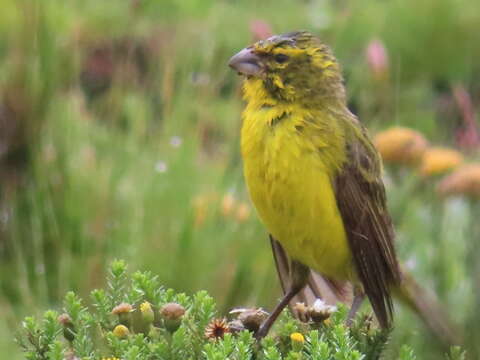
[246, 62]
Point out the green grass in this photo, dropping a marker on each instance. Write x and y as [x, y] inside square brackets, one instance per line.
[90, 176]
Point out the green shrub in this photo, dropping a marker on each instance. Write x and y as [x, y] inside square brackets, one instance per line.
[135, 318]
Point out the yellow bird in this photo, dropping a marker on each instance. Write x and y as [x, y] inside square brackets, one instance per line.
[314, 177]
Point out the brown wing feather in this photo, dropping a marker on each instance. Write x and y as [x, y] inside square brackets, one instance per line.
[317, 286]
[362, 203]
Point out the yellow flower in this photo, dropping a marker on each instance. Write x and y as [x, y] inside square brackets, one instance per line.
[400, 145]
[297, 337]
[121, 331]
[243, 212]
[228, 203]
[145, 307]
[147, 313]
[438, 160]
[463, 181]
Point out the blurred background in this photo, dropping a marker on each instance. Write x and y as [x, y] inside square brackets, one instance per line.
[119, 138]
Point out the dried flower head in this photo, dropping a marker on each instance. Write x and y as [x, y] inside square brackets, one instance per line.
[216, 329]
[121, 331]
[463, 181]
[438, 160]
[302, 311]
[320, 311]
[123, 308]
[401, 145]
[251, 318]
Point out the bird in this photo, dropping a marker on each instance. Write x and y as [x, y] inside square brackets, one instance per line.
[315, 180]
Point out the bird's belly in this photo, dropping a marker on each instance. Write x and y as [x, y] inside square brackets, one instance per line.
[293, 194]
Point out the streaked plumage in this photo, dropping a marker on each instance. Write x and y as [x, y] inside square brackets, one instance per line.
[313, 174]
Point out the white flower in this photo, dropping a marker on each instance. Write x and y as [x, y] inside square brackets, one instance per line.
[176, 141]
[161, 166]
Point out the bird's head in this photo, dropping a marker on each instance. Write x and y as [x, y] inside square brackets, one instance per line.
[295, 66]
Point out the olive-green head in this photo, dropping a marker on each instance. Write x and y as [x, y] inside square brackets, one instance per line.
[291, 67]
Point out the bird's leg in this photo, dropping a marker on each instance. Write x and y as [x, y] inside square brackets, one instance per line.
[358, 297]
[298, 275]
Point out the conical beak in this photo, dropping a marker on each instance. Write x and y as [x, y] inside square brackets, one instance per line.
[246, 63]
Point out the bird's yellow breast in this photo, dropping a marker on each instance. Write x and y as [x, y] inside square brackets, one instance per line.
[289, 177]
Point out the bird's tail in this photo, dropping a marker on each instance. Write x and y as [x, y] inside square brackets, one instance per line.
[418, 299]
[425, 305]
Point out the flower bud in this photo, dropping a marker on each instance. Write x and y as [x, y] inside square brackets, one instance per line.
[123, 312]
[297, 341]
[121, 331]
[68, 329]
[172, 314]
[147, 313]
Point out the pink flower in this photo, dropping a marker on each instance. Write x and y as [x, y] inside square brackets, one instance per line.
[377, 58]
[260, 30]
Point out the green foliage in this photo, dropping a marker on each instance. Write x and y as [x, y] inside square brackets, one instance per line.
[94, 337]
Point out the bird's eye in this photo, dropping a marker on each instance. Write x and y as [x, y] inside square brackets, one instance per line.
[281, 58]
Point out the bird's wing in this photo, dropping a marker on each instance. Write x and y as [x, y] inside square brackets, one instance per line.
[361, 199]
[317, 286]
